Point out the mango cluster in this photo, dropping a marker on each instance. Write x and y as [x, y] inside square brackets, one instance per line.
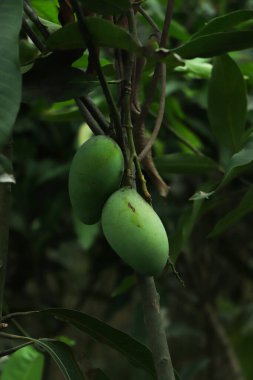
[130, 225]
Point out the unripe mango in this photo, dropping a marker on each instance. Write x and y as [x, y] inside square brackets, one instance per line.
[95, 173]
[135, 232]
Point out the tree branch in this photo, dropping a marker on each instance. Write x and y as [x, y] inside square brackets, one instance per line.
[88, 118]
[96, 113]
[155, 329]
[35, 19]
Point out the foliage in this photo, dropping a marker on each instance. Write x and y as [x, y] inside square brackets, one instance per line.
[203, 151]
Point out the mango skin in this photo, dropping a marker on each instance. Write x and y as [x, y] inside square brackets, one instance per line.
[96, 172]
[135, 232]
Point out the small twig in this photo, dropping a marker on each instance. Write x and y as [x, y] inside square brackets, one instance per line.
[224, 341]
[148, 19]
[35, 39]
[160, 115]
[7, 317]
[13, 336]
[176, 273]
[114, 114]
[96, 113]
[14, 349]
[155, 329]
[88, 118]
[35, 19]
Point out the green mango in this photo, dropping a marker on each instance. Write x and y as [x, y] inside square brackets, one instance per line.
[135, 232]
[95, 173]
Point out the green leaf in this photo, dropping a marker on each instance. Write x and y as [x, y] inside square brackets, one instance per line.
[46, 9]
[225, 22]
[10, 83]
[227, 102]
[124, 286]
[25, 364]
[62, 355]
[245, 207]
[239, 163]
[103, 32]
[135, 352]
[184, 163]
[55, 85]
[107, 7]
[214, 44]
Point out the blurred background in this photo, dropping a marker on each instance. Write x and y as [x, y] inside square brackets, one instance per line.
[55, 261]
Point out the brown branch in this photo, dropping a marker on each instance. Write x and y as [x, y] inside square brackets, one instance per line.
[160, 115]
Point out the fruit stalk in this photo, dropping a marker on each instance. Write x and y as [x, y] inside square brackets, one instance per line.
[155, 329]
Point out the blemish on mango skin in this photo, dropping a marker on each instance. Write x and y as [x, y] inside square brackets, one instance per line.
[131, 206]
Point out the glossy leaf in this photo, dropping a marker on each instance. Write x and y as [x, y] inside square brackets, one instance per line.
[214, 44]
[227, 103]
[107, 7]
[135, 352]
[225, 22]
[25, 364]
[10, 83]
[245, 207]
[184, 163]
[47, 9]
[240, 163]
[103, 32]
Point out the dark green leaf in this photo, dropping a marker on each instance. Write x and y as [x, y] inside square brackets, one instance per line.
[184, 163]
[136, 353]
[107, 7]
[227, 102]
[215, 44]
[245, 207]
[225, 22]
[124, 286]
[55, 86]
[97, 374]
[103, 32]
[240, 163]
[62, 355]
[25, 364]
[10, 83]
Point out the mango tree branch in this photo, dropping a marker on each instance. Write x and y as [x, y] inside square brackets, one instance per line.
[88, 118]
[35, 19]
[155, 329]
[158, 67]
[115, 117]
[96, 113]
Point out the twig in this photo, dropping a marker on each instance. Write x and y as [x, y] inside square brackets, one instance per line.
[158, 68]
[224, 341]
[156, 332]
[96, 113]
[88, 118]
[14, 349]
[115, 117]
[35, 39]
[160, 115]
[7, 317]
[13, 336]
[35, 19]
[5, 209]
[149, 19]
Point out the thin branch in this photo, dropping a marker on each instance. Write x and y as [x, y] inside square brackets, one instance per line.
[88, 118]
[7, 317]
[158, 68]
[155, 329]
[5, 209]
[149, 19]
[115, 117]
[14, 349]
[225, 343]
[13, 336]
[96, 113]
[160, 115]
[33, 36]
[35, 19]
